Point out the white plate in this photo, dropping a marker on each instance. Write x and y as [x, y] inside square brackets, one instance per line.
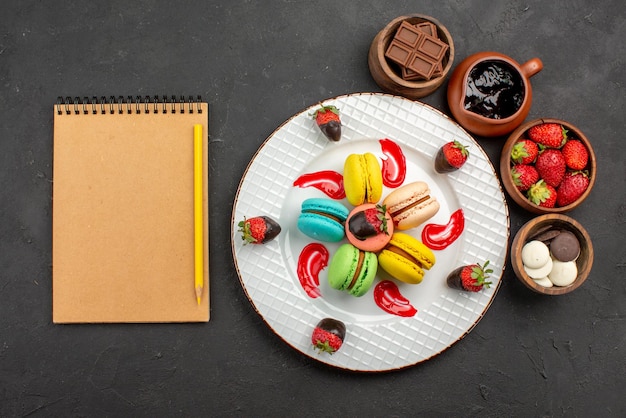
[376, 340]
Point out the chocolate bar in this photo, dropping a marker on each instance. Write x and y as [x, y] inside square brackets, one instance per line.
[417, 50]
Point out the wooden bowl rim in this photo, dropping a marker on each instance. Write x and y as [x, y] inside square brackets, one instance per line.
[522, 237]
[505, 167]
[381, 47]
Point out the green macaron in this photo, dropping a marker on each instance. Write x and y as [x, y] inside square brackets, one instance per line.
[352, 270]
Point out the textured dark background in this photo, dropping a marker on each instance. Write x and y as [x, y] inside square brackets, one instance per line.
[257, 64]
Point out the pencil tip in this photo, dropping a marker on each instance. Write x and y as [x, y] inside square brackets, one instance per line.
[198, 300]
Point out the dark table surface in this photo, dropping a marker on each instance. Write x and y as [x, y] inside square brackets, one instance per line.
[257, 64]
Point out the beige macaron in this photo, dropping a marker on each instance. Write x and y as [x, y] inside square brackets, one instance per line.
[411, 205]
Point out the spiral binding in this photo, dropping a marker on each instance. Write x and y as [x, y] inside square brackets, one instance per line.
[130, 104]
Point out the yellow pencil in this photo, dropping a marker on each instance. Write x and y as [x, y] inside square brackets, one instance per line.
[198, 211]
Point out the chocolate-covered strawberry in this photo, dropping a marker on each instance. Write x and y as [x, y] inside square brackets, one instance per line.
[327, 119]
[369, 222]
[451, 157]
[471, 278]
[258, 230]
[328, 335]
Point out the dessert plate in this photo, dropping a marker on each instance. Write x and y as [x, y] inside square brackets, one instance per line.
[375, 340]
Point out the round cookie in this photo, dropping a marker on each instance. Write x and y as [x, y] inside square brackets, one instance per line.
[565, 246]
[563, 273]
[535, 254]
[540, 272]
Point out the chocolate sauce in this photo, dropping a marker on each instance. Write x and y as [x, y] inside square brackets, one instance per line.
[494, 90]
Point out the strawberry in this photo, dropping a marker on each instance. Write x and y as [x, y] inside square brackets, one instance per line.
[328, 335]
[258, 230]
[575, 154]
[542, 194]
[451, 156]
[550, 135]
[327, 119]
[572, 187]
[369, 222]
[471, 278]
[524, 151]
[551, 166]
[524, 176]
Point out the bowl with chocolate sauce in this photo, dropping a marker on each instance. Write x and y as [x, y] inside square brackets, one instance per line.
[519, 194]
[489, 93]
[552, 254]
[411, 56]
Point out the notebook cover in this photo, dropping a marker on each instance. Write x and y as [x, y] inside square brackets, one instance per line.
[123, 216]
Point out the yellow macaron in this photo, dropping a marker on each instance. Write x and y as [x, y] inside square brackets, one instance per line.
[362, 179]
[405, 258]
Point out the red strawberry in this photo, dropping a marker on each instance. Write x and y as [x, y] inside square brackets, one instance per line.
[542, 194]
[471, 278]
[524, 176]
[451, 157]
[551, 166]
[551, 135]
[575, 154]
[328, 335]
[369, 222]
[572, 187]
[524, 151]
[327, 119]
[258, 230]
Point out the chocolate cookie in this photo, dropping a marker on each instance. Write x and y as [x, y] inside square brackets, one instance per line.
[565, 246]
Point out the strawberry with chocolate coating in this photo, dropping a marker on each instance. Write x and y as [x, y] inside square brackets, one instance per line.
[328, 335]
[369, 222]
[471, 278]
[258, 230]
[550, 135]
[327, 119]
[451, 157]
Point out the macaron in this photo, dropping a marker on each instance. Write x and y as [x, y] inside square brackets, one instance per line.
[411, 205]
[323, 219]
[352, 270]
[362, 179]
[369, 227]
[405, 258]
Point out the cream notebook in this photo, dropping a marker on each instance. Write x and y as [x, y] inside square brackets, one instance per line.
[123, 211]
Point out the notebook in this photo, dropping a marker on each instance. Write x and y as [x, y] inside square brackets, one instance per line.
[123, 223]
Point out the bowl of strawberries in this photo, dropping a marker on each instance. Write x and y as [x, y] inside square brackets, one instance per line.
[548, 166]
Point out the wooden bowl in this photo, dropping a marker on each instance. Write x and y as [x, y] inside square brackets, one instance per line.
[530, 229]
[506, 164]
[388, 76]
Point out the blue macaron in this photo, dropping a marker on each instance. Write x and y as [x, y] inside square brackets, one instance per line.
[323, 219]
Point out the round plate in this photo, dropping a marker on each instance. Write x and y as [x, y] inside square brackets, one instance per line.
[375, 340]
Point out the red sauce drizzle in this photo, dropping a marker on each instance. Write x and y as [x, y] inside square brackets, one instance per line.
[328, 181]
[312, 260]
[394, 166]
[438, 237]
[388, 297]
